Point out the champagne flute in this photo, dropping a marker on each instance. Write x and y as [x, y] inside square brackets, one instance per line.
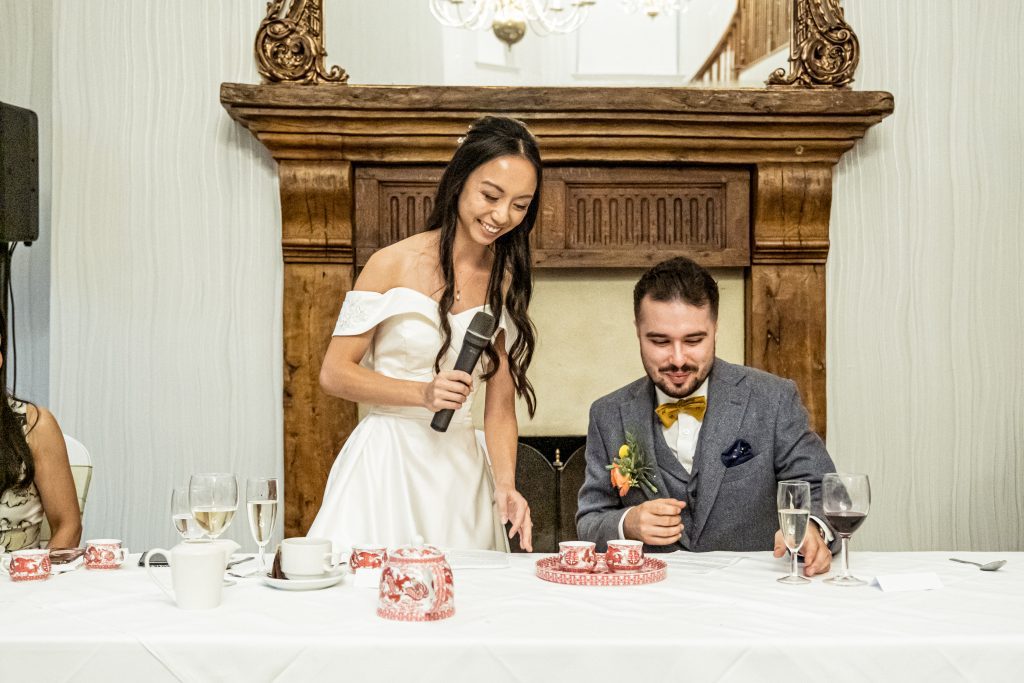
[261, 500]
[213, 498]
[181, 515]
[845, 499]
[794, 503]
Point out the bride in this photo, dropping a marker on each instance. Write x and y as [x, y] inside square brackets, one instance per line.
[394, 348]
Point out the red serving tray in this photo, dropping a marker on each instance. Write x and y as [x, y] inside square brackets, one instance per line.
[654, 570]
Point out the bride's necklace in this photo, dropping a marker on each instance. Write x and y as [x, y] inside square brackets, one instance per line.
[458, 290]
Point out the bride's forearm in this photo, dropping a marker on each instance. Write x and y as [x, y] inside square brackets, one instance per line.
[353, 382]
[501, 428]
[501, 446]
[501, 431]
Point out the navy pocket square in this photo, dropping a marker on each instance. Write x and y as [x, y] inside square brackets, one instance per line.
[737, 454]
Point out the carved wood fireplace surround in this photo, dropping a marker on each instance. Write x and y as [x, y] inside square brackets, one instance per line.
[731, 178]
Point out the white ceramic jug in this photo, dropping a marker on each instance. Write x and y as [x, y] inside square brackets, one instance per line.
[227, 546]
[197, 574]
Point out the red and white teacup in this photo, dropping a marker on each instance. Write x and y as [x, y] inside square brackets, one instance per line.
[367, 556]
[104, 553]
[32, 564]
[625, 556]
[577, 556]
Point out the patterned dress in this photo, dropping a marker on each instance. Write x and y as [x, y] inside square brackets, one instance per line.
[21, 510]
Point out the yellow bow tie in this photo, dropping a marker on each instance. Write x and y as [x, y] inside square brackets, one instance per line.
[695, 406]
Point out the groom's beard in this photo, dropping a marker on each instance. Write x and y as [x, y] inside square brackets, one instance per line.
[696, 376]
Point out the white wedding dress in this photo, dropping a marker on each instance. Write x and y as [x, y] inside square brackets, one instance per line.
[397, 480]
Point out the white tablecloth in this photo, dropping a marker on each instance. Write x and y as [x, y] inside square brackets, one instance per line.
[731, 624]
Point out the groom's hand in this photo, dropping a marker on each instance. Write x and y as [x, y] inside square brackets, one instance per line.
[656, 522]
[817, 556]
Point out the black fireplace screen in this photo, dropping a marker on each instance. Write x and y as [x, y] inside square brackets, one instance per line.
[549, 474]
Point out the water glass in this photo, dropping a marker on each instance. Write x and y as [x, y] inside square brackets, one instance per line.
[181, 515]
[794, 505]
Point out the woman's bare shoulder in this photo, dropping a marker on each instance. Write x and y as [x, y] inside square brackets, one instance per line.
[399, 264]
[44, 433]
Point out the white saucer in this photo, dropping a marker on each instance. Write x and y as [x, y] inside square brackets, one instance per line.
[334, 578]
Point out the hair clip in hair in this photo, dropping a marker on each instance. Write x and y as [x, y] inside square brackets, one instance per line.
[461, 140]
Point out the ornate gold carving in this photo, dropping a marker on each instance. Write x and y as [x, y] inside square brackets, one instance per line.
[824, 50]
[290, 45]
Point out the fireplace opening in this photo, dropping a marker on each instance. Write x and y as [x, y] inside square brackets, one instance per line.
[549, 474]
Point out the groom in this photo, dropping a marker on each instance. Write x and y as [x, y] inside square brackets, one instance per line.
[717, 437]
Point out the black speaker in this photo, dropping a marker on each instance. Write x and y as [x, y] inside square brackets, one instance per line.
[19, 174]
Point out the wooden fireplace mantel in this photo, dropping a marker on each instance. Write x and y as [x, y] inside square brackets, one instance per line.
[786, 141]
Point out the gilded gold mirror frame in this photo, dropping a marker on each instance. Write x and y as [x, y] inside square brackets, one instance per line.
[823, 49]
[290, 44]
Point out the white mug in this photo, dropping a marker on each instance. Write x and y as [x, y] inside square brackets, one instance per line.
[197, 574]
[307, 558]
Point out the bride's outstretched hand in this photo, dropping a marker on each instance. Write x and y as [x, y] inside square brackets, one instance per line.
[513, 508]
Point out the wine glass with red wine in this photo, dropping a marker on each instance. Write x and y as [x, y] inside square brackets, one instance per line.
[845, 499]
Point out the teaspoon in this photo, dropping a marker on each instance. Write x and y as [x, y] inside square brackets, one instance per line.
[989, 567]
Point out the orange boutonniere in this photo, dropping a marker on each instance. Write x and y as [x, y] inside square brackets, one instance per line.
[630, 468]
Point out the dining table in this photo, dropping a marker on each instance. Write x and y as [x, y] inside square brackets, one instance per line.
[717, 616]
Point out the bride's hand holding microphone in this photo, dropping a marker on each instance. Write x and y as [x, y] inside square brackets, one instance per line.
[447, 391]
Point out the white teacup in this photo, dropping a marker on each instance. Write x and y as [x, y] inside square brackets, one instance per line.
[307, 558]
[197, 574]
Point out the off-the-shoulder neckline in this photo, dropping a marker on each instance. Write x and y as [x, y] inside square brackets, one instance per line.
[418, 292]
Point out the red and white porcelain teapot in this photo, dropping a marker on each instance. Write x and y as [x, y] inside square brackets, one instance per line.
[416, 585]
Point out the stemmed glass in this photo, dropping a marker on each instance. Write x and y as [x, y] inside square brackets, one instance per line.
[845, 499]
[794, 502]
[213, 498]
[261, 499]
[181, 515]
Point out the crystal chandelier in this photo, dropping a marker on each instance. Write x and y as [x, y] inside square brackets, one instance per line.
[509, 18]
[651, 8]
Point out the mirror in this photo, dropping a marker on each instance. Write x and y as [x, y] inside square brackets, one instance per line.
[707, 42]
[398, 43]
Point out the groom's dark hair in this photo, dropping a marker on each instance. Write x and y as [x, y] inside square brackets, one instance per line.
[678, 279]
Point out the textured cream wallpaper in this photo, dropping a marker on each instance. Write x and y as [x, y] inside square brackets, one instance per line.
[166, 332]
[926, 296]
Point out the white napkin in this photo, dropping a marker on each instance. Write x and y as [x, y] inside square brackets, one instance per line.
[898, 583]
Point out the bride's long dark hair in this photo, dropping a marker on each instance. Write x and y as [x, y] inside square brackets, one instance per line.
[17, 468]
[488, 138]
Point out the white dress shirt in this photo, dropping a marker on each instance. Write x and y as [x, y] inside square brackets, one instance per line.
[681, 437]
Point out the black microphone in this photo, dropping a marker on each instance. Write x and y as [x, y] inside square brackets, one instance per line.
[478, 336]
